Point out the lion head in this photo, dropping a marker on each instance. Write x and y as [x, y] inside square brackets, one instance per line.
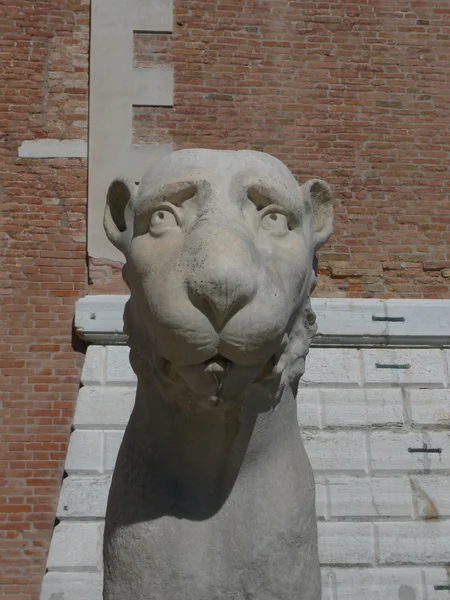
[219, 249]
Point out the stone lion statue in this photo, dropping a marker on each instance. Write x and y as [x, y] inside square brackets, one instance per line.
[212, 496]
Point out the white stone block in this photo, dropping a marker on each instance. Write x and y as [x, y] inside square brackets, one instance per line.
[378, 584]
[446, 359]
[152, 15]
[104, 406]
[345, 543]
[76, 546]
[430, 407]
[48, 148]
[72, 586]
[423, 366]
[118, 368]
[115, 86]
[93, 368]
[423, 318]
[438, 440]
[113, 439]
[389, 451]
[340, 451]
[435, 576]
[332, 365]
[100, 317]
[321, 499]
[308, 407]
[343, 407]
[370, 497]
[432, 495]
[327, 584]
[414, 542]
[83, 497]
[352, 317]
[159, 86]
[85, 452]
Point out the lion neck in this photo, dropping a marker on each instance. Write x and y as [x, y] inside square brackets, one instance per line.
[200, 454]
[189, 458]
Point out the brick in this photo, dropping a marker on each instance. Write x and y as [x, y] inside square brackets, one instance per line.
[430, 407]
[85, 452]
[370, 497]
[332, 365]
[414, 542]
[343, 452]
[76, 546]
[343, 407]
[345, 543]
[104, 407]
[83, 497]
[424, 367]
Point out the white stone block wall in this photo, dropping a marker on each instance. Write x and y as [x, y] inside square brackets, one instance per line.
[383, 507]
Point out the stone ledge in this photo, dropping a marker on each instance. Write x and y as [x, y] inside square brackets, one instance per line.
[72, 586]
[342, 321]
[339, 496]
[53, 149]
[355, 583]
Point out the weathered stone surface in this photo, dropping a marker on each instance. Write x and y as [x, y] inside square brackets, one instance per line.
[213, 494]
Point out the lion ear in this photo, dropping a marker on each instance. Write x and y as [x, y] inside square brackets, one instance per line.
[319, 194]
[118, 217]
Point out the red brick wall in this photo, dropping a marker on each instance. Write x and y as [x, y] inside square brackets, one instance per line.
[353, 91]
[43, 271]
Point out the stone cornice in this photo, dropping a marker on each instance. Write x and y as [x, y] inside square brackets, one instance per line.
[342, 321]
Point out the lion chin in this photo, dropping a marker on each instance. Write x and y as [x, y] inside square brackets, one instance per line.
[220, 381]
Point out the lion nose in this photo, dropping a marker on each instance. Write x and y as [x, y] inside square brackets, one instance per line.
[222, 284]
[219, 300]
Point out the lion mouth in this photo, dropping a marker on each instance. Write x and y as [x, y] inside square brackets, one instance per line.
[218, 364]
[219, 379]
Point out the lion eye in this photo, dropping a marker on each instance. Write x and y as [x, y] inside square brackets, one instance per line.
[275, 221]
[162, 219]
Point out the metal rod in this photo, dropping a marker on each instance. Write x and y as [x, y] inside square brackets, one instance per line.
[442, 587]
[389, 319]
[427, 450]
[392, 366]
